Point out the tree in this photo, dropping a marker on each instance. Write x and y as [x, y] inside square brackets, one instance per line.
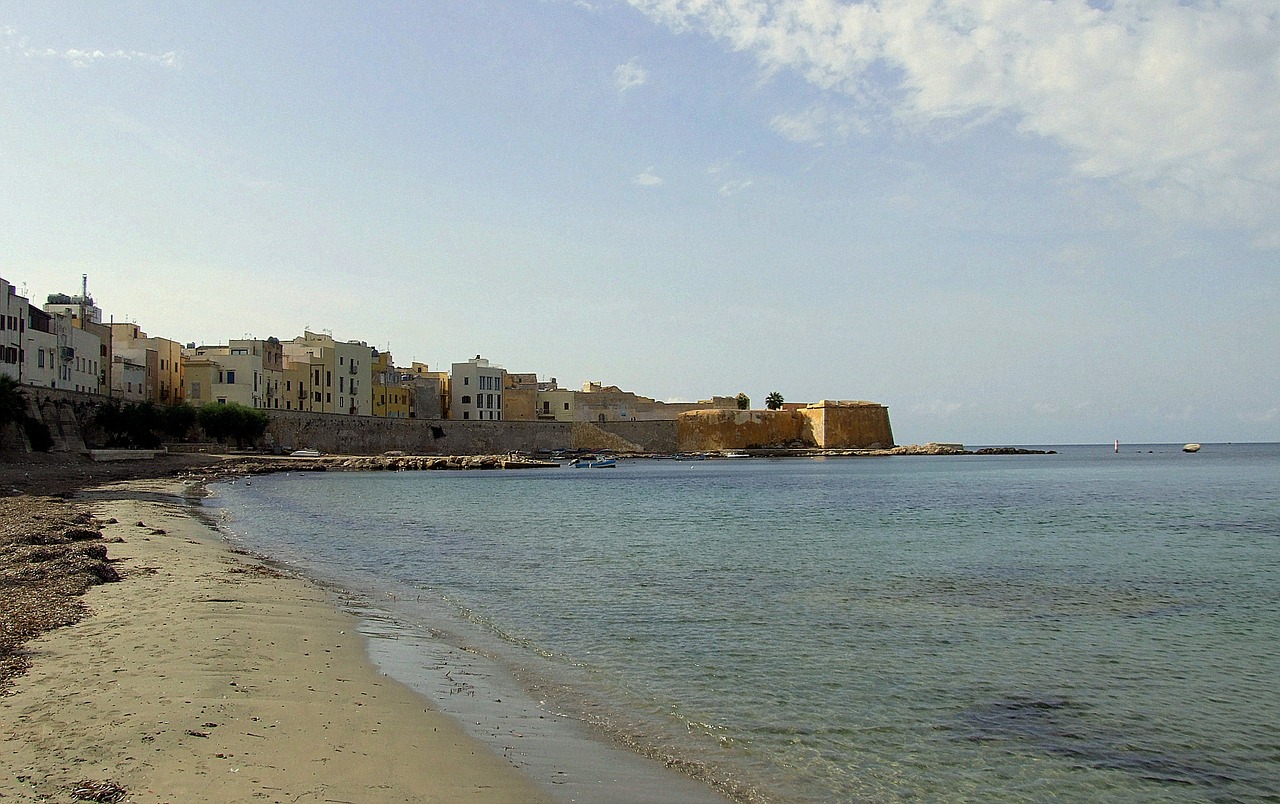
[13, 405]
[231, 420]
[744, 402]
[773, 401]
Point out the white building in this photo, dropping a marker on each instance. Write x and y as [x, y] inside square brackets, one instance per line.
[13, 326]
[41, 359]
[476, 390]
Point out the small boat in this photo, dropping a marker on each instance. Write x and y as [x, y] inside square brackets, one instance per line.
[305, 453]
[1191, 448]
[593, 462]
[734, 454]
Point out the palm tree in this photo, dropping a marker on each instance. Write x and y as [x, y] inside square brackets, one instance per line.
[773, 401]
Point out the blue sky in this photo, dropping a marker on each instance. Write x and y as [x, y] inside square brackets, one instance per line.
[1010, 221]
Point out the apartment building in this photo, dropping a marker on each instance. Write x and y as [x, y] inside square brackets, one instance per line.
[390, 388]
[246, 372]
[162, 360]
[340, 373]
[13, 327]
[476, 390]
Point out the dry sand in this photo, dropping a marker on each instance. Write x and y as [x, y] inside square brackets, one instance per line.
[207, 676]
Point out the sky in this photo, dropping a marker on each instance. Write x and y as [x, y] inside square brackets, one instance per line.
[1010, 221]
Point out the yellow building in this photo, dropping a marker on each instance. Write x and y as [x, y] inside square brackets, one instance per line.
[390, 392]
[166, 373]
[340, 373]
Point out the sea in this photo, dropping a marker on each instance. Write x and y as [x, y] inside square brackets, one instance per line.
[1089, 625]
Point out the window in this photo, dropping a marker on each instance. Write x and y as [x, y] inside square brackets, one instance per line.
[231, 378]
[466, 400]
[342, 385]
[466, 414]
[566, 405]
[466, 380]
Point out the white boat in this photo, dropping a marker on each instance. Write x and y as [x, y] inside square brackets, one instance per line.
[1191, 448]
[305, 453]
[593, 462]
[734, 454]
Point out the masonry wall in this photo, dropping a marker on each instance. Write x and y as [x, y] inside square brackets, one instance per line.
[826, 425]
[364, 435]
[840, 425]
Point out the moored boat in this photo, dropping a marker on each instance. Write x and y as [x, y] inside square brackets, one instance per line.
[1191, 448]
[593, 462]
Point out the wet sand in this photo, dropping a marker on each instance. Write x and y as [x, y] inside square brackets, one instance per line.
[206, 675]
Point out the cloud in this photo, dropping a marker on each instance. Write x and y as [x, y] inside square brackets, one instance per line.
[734, 187]
[1175, 99]
[630, 75]
[647, 179]
[79, 57]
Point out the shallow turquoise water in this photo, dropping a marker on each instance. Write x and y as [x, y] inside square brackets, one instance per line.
[1080, 627]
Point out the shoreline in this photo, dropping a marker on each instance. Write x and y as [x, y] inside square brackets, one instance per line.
[207, 675]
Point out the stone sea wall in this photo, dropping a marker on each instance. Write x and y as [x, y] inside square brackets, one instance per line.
[826, 425]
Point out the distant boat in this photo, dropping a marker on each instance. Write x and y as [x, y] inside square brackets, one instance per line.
[1191, 448]
[305, 453]
[593, 462]
[734, 454]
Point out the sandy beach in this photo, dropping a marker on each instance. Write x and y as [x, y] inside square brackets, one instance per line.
[206, 675]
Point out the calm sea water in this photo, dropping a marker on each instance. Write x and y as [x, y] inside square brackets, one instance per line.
[1079, 627]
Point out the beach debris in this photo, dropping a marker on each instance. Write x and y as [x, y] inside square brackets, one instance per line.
[92, 790]
[195, 733]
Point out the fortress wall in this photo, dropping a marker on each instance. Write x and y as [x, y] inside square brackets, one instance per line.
[365, 435]
[710, 430]
[825, 425]
[849, 425]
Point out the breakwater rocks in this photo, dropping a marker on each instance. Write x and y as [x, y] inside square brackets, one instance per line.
[365, 463]
[934, 448]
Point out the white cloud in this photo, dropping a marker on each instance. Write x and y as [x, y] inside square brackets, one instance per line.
[647, 179]
[734, 187]
[630, 75]
[85, 57]
[1177, 99]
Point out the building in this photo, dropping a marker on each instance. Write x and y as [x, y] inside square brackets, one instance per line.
[85, 315]
[162, 360]
[246, 372]
[428, 391]
[13, 327]
[597, 402]
[130, 380]
[390, 391]
[40, 359]
[476, 390]
[339, 375]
